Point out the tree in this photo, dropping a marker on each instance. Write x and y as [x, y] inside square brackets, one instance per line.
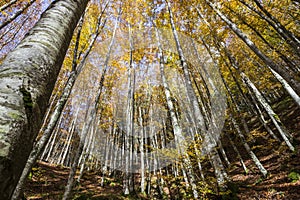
[27, 78]
[291, 79]
[150, 83]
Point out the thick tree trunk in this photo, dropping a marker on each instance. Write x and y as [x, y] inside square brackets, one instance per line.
[27, 77]
[56, 114]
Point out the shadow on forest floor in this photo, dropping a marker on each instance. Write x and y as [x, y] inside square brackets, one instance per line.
[277, 185]
[48, 181]
[280, 163]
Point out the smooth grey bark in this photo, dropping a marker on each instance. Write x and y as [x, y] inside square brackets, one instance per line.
[255, 110]
[287, 87]
[215, 160]
[56, 114]
[290, 62]
[274, 117]
[105, 164]
[235, 65]
[238, 154]
[235, 106]
[129, 119]
[194, 104]
[284, 84]
[223, 153]
[49, 149]
[27, 77]
[141, 148]
[86, 151]
[65, 150]
[79, 151]
[259, 113]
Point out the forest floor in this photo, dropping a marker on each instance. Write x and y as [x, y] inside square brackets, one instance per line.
[48, 182]
[283, 181]
[283, 166]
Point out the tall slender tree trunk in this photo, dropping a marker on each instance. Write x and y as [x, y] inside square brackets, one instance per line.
[216, 162]
[141, 148]
[290, 62]
[56, 114]
[91, 116]
[272, 21]
[274, 117]
[2, 8]
[238, 154]
[179, 138]
[129, 119]
[248, 149]
[28, 75]
[287, 87]
[16, 14]
[291, 79]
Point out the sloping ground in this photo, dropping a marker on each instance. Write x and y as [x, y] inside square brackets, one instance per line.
[283, 182]
[48, 182]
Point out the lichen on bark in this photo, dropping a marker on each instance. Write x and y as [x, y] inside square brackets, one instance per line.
[27, 77]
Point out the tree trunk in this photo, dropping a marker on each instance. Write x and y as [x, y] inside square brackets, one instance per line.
[56, 114]
[179, 138]
[274, 117]
[90, 117]
[290, 62]
[291, 79]
[248, 149]
[281, 30]
[2, 8]
[28, 75]
[17, 14]
[141, 148]
[287, 87]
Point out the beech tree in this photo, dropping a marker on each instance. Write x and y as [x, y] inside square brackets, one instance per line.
[143, 85]
[27, 78]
